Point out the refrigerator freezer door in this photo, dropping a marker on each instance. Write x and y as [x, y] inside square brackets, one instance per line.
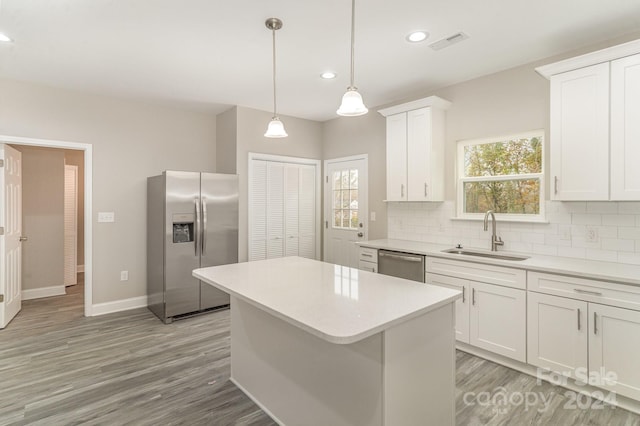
[182, 251]
[219, 242]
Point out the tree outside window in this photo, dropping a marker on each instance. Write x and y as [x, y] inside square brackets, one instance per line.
[503, 174]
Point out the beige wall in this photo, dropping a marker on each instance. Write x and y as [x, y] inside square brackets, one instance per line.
[42, 217]
[343, 137]
[226, 141]
[130, 141]
[305, 140]
[76, 158]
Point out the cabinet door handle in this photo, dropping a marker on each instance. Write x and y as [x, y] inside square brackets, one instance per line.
[473, 296]
[578, 319]
[555, 184]
[425, 189]
[594, 293]
[595, 323]
[463, 294]
[402, 190]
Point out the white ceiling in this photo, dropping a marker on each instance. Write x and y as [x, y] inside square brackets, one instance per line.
[211, 54]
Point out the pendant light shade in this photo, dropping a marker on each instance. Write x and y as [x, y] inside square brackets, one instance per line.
[276, 127]
[352, 104]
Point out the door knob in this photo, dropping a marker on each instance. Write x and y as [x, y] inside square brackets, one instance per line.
[23, 239]
[360, 234]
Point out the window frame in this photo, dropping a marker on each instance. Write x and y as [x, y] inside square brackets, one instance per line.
[461, 179]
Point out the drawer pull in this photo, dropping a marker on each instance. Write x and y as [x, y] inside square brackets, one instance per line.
[578, 319]
[366, 255]
[594, 293]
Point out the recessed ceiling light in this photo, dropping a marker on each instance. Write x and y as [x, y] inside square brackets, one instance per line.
[3, 37]
[328, 75]
[417, 36]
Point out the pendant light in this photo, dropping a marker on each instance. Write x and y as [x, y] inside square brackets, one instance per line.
[275, 128]
[352, 104]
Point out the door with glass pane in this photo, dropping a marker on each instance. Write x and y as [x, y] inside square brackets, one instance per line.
[346, 209]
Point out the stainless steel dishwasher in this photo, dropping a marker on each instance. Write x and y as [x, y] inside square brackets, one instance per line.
[403, 265]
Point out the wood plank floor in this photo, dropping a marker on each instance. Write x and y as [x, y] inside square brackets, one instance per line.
[60, 368]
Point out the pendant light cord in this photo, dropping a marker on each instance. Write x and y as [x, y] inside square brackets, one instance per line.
[353, 24]
[275, 114]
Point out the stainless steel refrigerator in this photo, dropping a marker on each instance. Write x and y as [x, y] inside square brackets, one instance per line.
[192, 222]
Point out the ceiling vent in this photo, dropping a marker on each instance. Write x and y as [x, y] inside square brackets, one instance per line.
[446, 42]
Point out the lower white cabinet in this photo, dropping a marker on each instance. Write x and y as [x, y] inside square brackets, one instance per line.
[498, 320]
[367, 266]
[614, 347]
[462, 304]
[557, 333]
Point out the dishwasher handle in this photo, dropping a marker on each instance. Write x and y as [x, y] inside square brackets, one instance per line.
[407, 258]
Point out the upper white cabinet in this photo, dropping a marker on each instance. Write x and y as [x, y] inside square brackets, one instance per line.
[594, 136]
[625, 128]
[580, 134]
[415, 150]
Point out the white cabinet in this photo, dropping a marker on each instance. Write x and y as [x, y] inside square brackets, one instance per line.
[498, 320]
[595, 134]
[574, 325]
[282, 210]
[492, 312]
[625, 128]
[614, 345]
[580, 134]
[462, 304]
[557, 331]
[368, 259]
[415, 150]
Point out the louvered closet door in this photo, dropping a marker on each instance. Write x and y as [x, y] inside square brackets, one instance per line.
[275, 209]
[292, 198]
[258, 211]
[307, 212]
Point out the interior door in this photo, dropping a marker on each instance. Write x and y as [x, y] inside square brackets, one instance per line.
[10, 234]
[346, 209]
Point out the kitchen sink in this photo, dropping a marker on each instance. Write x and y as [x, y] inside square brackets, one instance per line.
[488, 254]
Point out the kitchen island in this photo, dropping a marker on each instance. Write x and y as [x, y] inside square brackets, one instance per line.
[314, 343]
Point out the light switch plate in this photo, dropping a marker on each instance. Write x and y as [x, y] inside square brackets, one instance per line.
[106, 217]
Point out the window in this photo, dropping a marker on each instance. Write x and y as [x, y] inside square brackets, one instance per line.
[503, 174]
[345, 199]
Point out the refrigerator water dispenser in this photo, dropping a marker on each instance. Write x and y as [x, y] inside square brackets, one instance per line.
[183, 228]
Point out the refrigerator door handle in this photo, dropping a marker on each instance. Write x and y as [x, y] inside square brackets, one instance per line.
[197, 230]
[204, 226]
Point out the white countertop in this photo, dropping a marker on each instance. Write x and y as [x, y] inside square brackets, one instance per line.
[604, 271]
[338, 304]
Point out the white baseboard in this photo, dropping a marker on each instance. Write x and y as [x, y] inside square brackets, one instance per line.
[38, 293]
[80, 268]
[118, 305]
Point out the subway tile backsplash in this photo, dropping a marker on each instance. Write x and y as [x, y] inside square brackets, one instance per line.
[608, 231]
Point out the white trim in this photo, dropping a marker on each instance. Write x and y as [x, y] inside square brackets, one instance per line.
[88, 197]
[38, 293]
[119, 305]
[80, 268]
[431, 101]
[292, 160]
[593, 58]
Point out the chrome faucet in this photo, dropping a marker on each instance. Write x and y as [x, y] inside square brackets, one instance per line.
[495, 241]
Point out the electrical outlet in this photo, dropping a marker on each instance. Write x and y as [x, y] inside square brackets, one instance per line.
[106, 217]
[565, 233]
[373, 216]
[124, 275]
[591, 235]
